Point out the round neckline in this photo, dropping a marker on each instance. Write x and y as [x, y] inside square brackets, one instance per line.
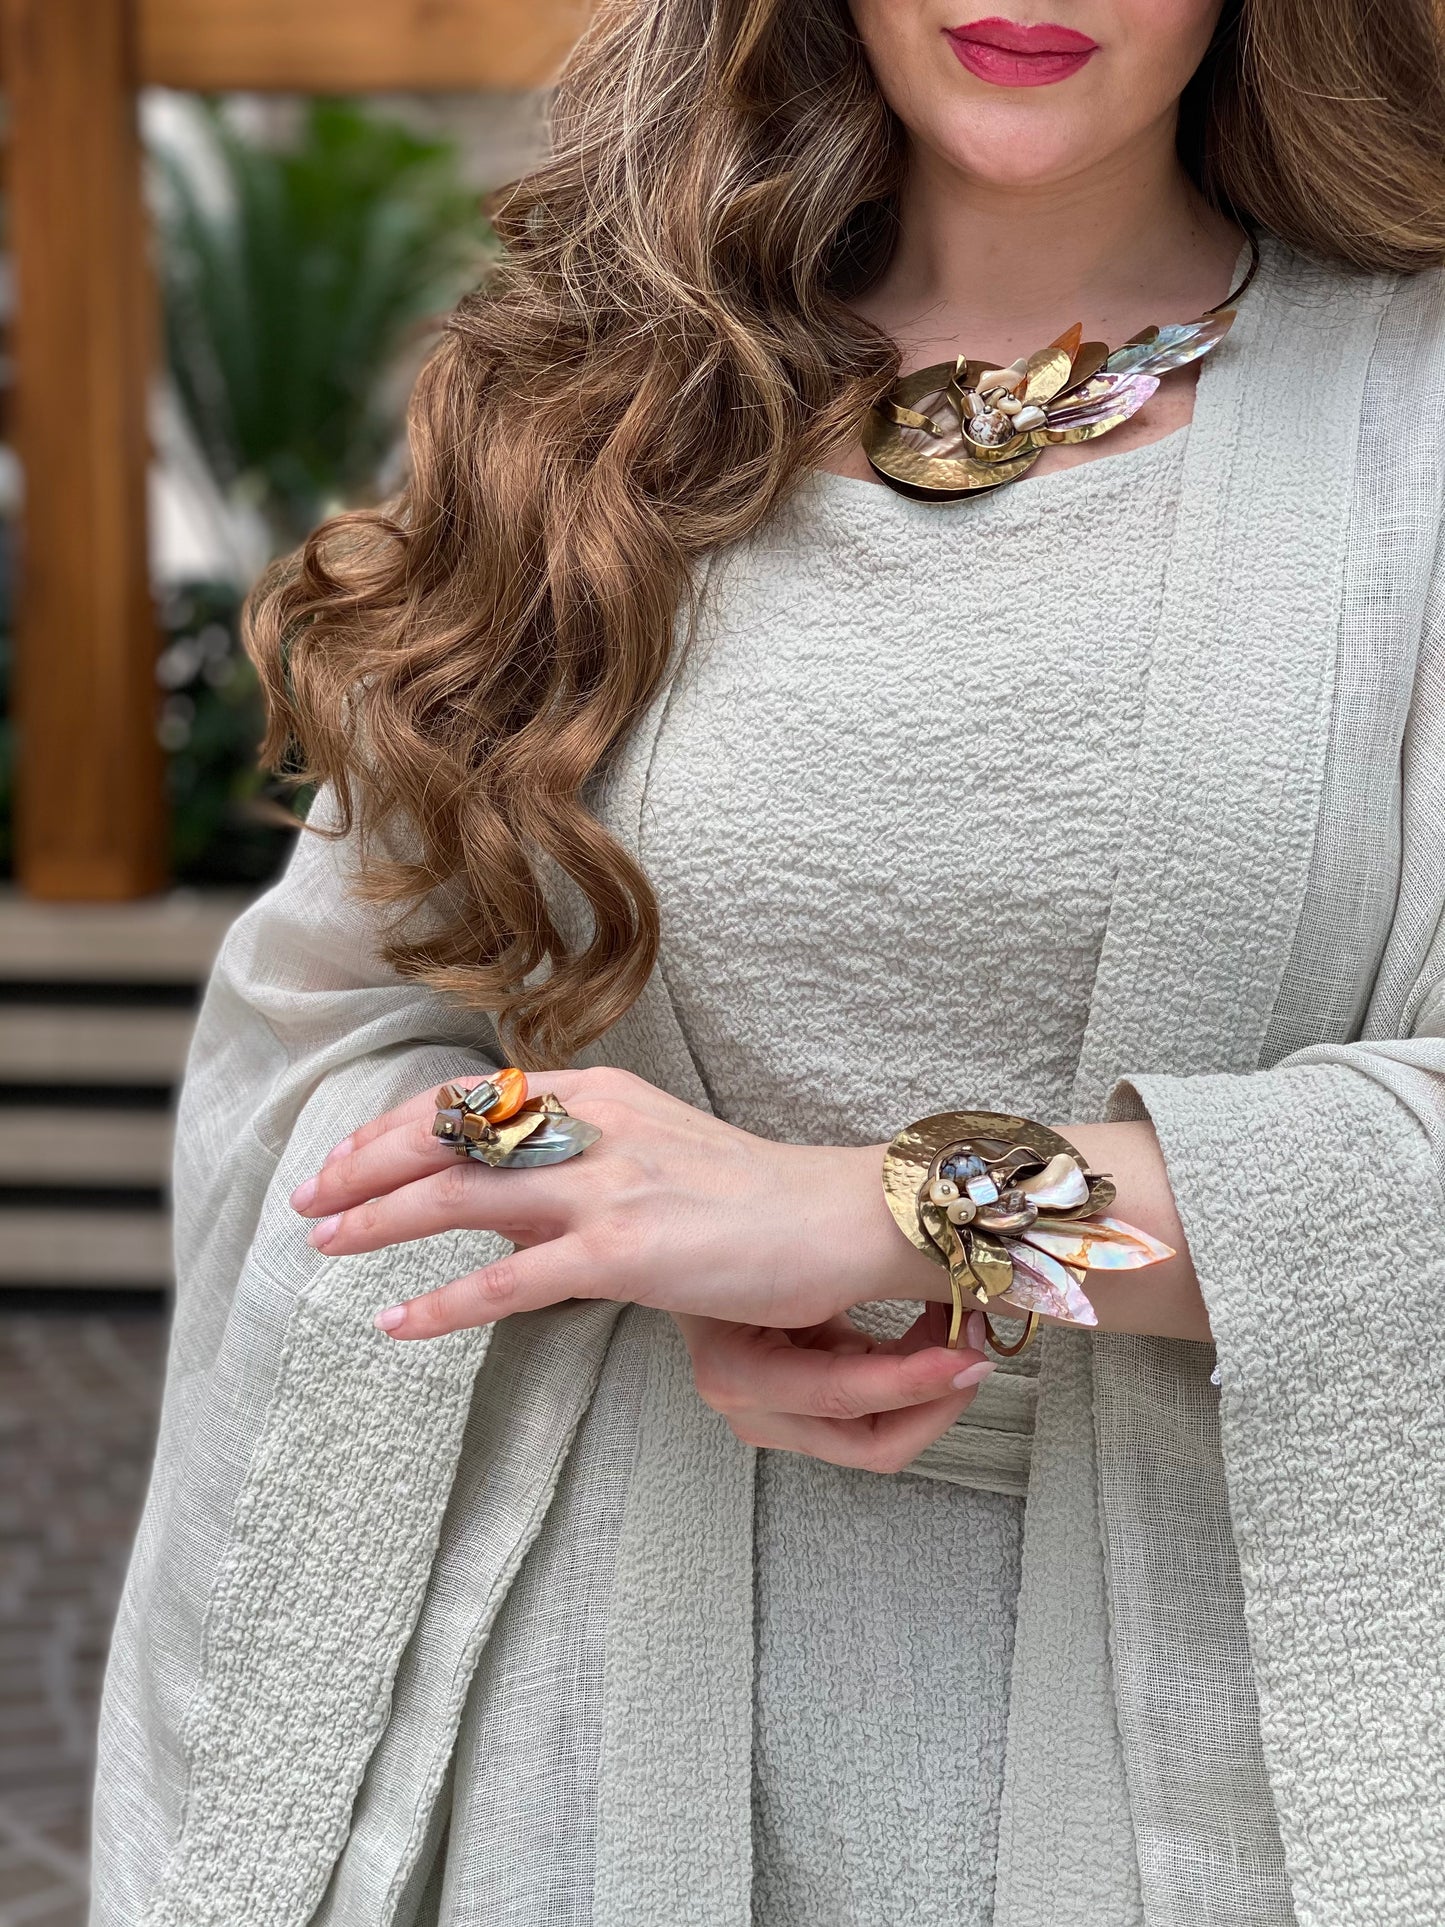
[1069, 479]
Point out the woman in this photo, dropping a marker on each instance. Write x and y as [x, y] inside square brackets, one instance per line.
[661, 735]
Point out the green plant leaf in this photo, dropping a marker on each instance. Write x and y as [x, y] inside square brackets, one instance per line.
[291, 294]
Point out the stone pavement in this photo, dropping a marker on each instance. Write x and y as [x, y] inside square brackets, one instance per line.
[79, 1394]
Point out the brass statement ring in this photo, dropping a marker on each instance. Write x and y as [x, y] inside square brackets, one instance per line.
[1013, 1213]
[497, 1123]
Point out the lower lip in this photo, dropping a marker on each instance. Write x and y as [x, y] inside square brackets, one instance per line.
[1003, 69]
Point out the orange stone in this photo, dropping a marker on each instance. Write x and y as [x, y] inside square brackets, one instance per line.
[512, 1086]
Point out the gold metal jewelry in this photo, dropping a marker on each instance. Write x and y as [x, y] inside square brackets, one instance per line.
[1013, 1213]
[498, 1124]
[961, 427]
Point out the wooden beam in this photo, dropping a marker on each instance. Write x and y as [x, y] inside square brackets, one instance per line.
[356, 46]
[89, 811]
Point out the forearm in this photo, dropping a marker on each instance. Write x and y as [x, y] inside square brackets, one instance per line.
[1160, 1301]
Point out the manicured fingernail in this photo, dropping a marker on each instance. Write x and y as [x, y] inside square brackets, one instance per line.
[976, 1331]
[303, 1194]
[388, 1320]
[323, 1231]
[975, 1374]
[337, 1151]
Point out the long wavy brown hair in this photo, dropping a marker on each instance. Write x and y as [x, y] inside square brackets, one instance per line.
[665, 346]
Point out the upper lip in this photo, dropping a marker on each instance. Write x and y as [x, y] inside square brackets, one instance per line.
[1012, 38]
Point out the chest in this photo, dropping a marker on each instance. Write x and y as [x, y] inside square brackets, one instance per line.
[907, 716]
[886, 795]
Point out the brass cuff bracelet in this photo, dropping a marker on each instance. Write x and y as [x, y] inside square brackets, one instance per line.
[1011, 1210]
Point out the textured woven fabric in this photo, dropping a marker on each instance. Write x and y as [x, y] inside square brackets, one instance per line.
[1351, 790]
[884, 1618]
[336, 1523]
[523, 1818]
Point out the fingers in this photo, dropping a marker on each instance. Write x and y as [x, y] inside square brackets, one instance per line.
[368, 1165]
[742, 1370]
[886, 1443]
[873, 1409]
[463, 1196]
[548, 1274]
[398, 1146]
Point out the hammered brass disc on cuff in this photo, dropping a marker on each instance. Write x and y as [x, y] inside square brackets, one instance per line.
[1012, 1212]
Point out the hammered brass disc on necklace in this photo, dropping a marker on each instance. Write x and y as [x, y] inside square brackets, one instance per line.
[962, 427]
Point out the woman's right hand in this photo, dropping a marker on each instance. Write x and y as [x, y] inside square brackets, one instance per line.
[673, 1208]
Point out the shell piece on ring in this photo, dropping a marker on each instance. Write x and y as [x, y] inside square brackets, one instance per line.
[559, 1139]
[494, 1144]
[511, 1089]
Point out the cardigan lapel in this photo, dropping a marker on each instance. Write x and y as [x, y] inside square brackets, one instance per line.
[1212, 873]
[1210, 883]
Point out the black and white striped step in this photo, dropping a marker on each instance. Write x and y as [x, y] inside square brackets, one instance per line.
[96, 1007]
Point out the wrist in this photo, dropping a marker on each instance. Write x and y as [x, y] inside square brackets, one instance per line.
[882, 1264]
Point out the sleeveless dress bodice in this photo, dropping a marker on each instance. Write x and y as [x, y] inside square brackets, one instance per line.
[885, 1605]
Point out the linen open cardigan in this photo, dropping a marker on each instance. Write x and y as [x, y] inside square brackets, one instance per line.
[1229, 1681]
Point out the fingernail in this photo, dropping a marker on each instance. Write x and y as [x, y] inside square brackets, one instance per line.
[303, 1194]
[975, 1374]
[976, 1331]
[323, 1231]
[388, 1320]
[337, 1151]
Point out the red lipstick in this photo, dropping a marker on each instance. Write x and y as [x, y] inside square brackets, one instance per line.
[1009, 55]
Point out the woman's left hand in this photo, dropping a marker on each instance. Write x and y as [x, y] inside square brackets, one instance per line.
[836, 1393]
[671, 1208]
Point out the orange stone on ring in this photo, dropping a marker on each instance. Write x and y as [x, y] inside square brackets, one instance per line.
[511, 1094]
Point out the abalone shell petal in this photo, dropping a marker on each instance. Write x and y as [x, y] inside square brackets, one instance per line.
[1095, 1244]
[1173, 347]
[1108, 397]
[1155, 1246]
[1060, 1186]
[1042, 1284]
[559, 1139]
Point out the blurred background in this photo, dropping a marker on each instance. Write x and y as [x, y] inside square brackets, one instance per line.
[226, 230]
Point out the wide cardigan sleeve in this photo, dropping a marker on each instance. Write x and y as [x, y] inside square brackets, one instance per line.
[303, 1461]
[1312, 1194]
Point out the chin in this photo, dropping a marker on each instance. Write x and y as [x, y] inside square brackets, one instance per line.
[1025, 151]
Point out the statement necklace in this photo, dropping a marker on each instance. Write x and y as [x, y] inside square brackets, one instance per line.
[953, 429]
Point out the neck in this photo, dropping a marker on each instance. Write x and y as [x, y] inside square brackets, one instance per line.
[1002, 268]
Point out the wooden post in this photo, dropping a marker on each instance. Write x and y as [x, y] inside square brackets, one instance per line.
[356, 46]
[90, 819]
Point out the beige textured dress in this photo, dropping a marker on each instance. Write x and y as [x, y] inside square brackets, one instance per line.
[830, 984]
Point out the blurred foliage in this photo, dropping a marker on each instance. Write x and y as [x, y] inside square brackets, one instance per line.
[294, 277]
[229, 820]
